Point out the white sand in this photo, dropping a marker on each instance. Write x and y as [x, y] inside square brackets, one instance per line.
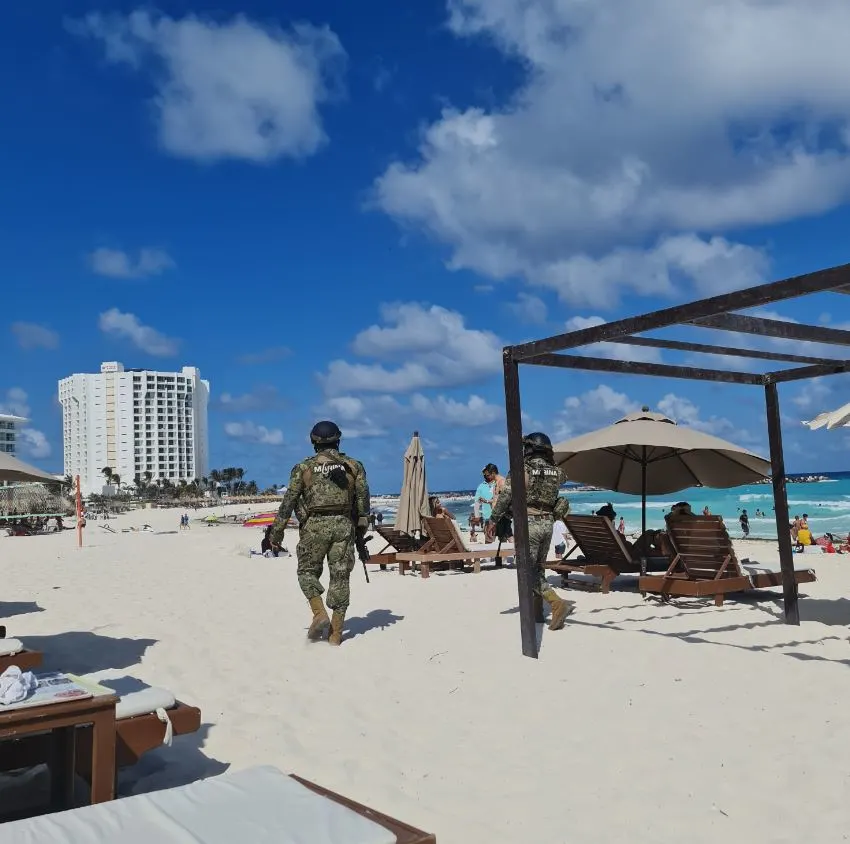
[639, 722]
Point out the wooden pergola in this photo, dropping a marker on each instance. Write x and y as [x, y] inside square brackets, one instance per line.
[717, 312]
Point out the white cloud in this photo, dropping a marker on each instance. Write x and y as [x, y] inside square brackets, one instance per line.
[812, 394]
[31, 442]
[228, 90]
[439, 350]
[359, 419]
[34, 443]
[473, 413]
[602, 406]
[115, 263]
[529, 309]
[33, 336]
[128, 327]
[596, 408]
[16, 403]
[635, 124]
[252, 433]
[614, 351]
[264, 397]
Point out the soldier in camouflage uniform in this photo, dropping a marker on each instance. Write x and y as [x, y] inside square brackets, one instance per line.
[330, 494]
[542, 481]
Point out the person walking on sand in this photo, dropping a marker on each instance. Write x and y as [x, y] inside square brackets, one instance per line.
[621, 528]
[331, 491]
[545, 505]
[744, 519]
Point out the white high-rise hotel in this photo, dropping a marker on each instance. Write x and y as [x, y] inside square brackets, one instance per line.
[135, 421]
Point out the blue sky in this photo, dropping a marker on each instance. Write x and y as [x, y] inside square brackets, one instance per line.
[345, 215]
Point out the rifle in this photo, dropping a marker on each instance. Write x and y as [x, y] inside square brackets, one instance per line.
[360, 541]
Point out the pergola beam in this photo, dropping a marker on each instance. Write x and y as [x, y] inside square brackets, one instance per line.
[816, 282]
[727, 351]
[775, 328]
[631, 367]
[798, 373]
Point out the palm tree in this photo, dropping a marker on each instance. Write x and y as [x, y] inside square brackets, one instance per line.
[69, 479]
[116, 479]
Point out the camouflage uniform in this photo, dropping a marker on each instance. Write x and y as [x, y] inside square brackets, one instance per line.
[330, 494]
[545, 506]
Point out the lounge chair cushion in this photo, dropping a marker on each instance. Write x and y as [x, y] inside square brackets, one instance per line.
[258, 805]
[8, 647]
[144, 702]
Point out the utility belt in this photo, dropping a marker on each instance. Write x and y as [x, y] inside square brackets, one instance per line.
[539, 512]
[335, 512]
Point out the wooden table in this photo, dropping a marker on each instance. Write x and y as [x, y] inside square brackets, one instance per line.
[62, 720]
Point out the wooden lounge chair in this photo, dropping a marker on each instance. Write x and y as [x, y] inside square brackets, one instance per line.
[445, 545]
[247, 805]
[704, 563]
[144, 720]
[13, 652]
[396, 540]
[606, 554]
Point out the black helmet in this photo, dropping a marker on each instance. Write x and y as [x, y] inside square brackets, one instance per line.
[536, 442]
[325, 433]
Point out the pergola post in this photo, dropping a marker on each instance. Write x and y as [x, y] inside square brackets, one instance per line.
[519, 508]
[780, 503]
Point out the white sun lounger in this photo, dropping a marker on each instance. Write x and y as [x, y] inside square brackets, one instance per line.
[258, 805]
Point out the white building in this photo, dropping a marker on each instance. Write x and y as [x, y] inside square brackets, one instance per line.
[9, 427]
[135, 421]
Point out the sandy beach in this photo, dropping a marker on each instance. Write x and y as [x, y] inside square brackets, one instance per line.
[640, 722]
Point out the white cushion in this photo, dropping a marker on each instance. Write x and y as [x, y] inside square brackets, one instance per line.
[144, 702]
[8, 647]
[258, 805]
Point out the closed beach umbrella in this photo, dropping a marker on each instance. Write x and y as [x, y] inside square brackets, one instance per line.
[831, 419]
[649, 454]
[13, 470]
[413, 502]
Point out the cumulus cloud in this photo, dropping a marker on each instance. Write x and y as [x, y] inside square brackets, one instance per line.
[594, 409]
[439, 350]
[264, 397]
[30, 335]
[31, 442]
[651, 124]
[614, 351]
[252, 433]
[529, 309]
[128, 327]
[473, 413]
[235, 89]
[115, 263]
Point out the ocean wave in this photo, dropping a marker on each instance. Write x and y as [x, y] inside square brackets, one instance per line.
[752, 496]
[827, 505]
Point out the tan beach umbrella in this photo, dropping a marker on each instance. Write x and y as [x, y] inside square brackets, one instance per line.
[13, 470]
[831, 419]
[413, 501]
[649, 454]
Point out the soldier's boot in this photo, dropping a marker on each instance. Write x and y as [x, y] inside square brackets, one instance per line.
[560, 609]
[337, 621]
[320, 624]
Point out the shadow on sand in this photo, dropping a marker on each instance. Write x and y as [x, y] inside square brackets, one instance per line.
[82, 652]
[11, 608]
[373, 620]
[168, 767]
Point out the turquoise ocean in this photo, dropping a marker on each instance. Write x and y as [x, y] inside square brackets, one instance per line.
[826, 502]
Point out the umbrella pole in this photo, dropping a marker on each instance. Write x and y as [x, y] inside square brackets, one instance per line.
[643, 507]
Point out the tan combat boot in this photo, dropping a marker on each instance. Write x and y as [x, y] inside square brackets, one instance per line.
[560, 609]
[320, 624]
[336, 628]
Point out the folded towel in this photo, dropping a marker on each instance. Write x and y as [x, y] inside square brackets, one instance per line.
[15, 684]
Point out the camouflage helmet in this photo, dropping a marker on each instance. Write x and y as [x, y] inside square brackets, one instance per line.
[536, 443]
[325, 433]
